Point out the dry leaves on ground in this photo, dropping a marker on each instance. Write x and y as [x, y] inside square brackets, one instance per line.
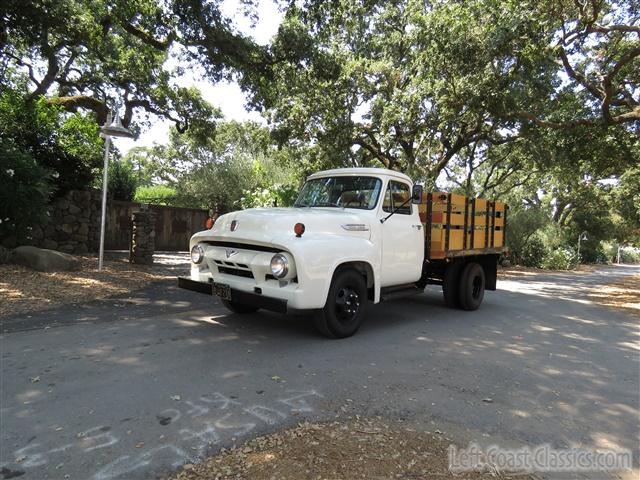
[623, 294]
[516, 271]
[23, 290]
[368, 449]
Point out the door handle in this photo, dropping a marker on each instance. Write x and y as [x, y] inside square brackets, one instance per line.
[419, 227]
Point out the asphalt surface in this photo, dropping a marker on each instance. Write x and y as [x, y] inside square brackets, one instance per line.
[132, 388]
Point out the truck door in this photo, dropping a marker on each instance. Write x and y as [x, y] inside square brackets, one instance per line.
[402, 237]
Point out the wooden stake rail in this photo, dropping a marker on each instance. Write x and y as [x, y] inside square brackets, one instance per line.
[456, 225]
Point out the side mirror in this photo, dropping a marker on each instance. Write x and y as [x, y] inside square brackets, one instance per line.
[416, 194]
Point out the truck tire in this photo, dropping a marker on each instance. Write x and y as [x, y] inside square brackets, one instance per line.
[240, 308]
[345, 307]
[472, 282]
[451, 285]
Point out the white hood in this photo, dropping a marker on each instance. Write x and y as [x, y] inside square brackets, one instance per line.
[264, 225]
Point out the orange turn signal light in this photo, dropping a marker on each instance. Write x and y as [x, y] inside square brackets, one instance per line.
[298, 229]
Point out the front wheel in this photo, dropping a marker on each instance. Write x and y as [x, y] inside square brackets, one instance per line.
[472, 282]
[345, 307]
[236, 307]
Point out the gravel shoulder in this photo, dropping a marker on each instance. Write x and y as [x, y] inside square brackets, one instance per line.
[23, 290]
[358, 448]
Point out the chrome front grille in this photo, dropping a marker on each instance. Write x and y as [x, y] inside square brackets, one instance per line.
[232, 268]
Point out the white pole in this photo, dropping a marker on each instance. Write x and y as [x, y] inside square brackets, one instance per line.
[105, 175]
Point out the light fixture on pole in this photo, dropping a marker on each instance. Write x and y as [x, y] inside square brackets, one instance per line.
[581, 237]
[107, 131]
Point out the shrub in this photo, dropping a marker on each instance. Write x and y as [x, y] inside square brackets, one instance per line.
[156, 195]
[533, 253]
[25, 189]
[629, 256]
[122, 180]
[561, 258]
[277, 195]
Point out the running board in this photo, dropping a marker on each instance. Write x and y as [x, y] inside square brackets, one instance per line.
[399, 291]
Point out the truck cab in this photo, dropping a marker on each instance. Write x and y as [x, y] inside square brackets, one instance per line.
[353, 236]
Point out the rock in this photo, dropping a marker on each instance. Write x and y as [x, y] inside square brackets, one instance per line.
[74, 210]
[62, 204]
[67, 228]
[44, 260]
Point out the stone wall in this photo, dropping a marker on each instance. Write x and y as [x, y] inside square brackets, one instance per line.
[143, 238]
[73, 224]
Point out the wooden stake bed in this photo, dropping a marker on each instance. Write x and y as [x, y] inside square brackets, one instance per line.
[456, 225]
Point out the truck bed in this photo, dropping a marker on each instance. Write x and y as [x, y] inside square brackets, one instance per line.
[456, 226]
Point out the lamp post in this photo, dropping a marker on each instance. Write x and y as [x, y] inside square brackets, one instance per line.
[582, 236]
[107, 131]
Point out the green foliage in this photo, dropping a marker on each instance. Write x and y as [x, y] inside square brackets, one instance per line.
[629, 256]
[236, 161]
[156, 195]
[525, 247]
[122, 180]
[88, 53]
[276, 196]
[67, 145]
[563, 258]
[25, 189]
[533, 253]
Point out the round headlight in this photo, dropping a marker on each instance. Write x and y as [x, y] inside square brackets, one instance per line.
[197, 254]
[279, 266]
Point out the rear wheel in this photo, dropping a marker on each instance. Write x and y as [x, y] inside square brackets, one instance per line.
[472, 283]
[451, 285]
[344, 310]
[236, 307]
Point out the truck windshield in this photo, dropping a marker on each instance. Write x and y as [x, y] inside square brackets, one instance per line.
[341, 192]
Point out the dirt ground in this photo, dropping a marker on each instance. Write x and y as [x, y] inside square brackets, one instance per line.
[23, 290]
[359, 448]
[623, 295]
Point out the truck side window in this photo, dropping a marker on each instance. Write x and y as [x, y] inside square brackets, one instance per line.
[397, 193]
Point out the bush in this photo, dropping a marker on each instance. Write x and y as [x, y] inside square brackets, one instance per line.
[122, 180]
[629, 256]
[156, 195]
[277, 195]
[562, 258]
[522, 225]
[533, 253]
[66, 144]
[25, 189]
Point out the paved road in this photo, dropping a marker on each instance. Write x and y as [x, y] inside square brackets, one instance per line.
[134, 387]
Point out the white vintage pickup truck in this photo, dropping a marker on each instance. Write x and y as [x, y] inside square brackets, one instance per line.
[354, 236]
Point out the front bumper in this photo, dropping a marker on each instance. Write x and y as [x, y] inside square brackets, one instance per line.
[239, 296]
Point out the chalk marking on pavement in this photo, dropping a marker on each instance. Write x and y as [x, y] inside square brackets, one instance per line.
[219, 417]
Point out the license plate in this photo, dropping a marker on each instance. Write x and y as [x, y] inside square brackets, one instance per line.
[221, 290]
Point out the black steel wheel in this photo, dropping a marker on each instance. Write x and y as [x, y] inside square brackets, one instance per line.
[451, 285]
[345, 307]
[472, 283]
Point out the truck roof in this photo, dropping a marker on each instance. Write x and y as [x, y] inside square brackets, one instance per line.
[359, 171]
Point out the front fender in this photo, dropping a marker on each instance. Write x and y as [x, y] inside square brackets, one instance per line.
[318, 258]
